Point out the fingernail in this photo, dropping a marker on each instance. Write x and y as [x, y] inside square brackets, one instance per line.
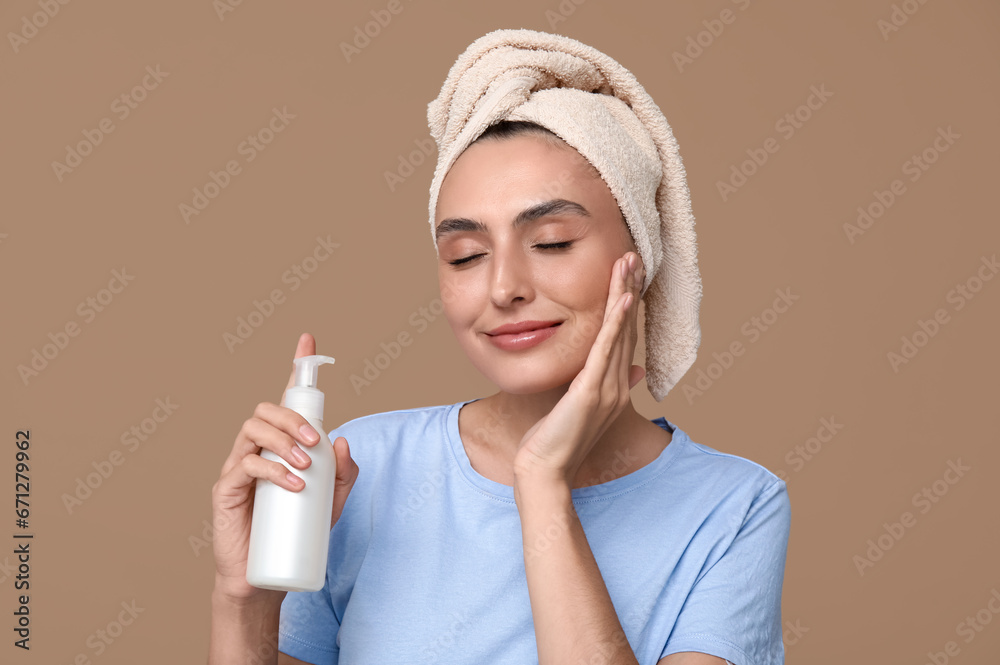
[624, 270]
[632, 261]
[293, 479]
[299, 456]
[309, 434]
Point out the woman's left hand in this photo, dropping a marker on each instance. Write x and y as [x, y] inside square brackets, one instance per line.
[556, 445]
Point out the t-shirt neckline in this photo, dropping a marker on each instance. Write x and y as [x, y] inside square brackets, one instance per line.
[598, 492]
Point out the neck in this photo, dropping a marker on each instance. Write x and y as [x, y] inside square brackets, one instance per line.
[629, 442]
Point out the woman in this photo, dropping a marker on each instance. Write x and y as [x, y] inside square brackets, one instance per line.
[548, 522]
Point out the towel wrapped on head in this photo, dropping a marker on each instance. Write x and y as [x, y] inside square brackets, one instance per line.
[599, 108]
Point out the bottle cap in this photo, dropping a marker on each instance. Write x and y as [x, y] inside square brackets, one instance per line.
[304, 397]
[307, 370]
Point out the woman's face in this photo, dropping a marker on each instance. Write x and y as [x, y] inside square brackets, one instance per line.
[527, 232]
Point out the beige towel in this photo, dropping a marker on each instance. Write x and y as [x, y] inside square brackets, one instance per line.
[598, 107]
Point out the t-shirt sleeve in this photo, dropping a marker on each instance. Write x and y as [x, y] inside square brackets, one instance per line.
[308, 626]
[734, 609]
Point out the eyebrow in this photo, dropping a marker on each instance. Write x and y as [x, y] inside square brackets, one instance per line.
[526, 216]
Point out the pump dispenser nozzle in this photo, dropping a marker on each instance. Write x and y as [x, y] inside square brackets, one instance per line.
[304, 397]
[307, 370]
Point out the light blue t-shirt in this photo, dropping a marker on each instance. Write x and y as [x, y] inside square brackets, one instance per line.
[426, 562]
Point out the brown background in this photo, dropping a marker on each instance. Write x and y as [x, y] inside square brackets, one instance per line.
[136, 536]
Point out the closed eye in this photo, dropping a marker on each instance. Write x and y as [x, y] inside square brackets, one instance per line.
[551, 245]
[458, 262]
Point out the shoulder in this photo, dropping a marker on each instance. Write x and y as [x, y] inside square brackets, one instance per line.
[706, 470]
[398, 420]
[376, 435]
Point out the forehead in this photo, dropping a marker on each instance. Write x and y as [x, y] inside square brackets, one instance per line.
[527, 165]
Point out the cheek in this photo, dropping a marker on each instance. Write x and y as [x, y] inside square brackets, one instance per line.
[585, 295]
[584, 287]
[458, 296]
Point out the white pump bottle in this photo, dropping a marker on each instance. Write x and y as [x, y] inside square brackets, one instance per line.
[290, 531]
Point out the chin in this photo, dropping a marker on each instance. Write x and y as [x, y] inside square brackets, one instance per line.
[535, 375]
[529, 388]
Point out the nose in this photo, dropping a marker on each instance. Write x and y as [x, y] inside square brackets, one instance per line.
[510, 277]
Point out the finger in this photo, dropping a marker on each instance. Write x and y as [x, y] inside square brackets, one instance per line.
[347, 474]
[598, 360]
[624, 344]
[290, 422]
[630, 374]
[630, 335]
[618, 286]
[606, 352]
[618, 362]
[305, 347]
[234, 482]
[277, 429]
[636, 372]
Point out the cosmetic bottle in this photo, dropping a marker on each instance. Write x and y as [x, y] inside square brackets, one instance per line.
[290, 531]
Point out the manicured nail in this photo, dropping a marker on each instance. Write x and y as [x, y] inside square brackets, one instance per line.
[299, 456]
[293, 479]
[309, 434]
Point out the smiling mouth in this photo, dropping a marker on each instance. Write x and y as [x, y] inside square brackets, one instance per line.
[523, 338]
[522, 327]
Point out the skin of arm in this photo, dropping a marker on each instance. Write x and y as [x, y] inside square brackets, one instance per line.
[573, 614]
[243, 632]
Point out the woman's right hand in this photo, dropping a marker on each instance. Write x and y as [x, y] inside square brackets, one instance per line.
[277, 429]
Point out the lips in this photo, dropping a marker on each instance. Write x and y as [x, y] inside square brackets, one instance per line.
[522, 335]
[521, 327]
